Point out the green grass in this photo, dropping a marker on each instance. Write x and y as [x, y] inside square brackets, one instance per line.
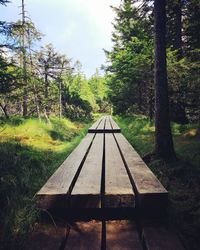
[139, 130]
[181, 178]
[30, 151]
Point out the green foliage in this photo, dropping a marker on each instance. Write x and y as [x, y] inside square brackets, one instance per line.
[184, 85]
[192, 24]
[98, 86]
[10, 76]
[139, 130]
[41, 82]
[81, 87]
[181, 179]
[130, 62]
[29, 154]
[130, 69]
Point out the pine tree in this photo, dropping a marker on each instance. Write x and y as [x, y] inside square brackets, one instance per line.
[163, 140]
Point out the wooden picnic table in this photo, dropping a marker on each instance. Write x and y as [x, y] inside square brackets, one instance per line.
[103, 179]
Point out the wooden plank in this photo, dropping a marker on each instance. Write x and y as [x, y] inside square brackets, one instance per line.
[160, 238]
[150, 191]
[58, 186]
[99, 128]
[108, 125]
[102, 124]
[114, 125]
[122, 235]
[118, 189]
[95, 125]
[87, 190]
[84, 236]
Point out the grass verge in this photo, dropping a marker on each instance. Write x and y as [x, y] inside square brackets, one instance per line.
[181, 179]
[30, 151]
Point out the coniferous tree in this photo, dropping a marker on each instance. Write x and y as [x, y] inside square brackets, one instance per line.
[130, 70]
[163, 137]
[192, 25]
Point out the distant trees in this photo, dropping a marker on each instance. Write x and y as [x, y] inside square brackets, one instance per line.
[39, 81]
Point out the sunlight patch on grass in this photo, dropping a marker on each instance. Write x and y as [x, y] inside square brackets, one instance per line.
[40, 135]
[30, 152]
[191, 133]
[139, 130]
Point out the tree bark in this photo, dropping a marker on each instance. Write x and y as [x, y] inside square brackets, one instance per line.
[60, 98]
[163, 138]
[25, 97]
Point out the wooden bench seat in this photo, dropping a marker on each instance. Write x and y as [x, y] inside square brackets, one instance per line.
[103, 172]
[104, 125]
[149, 191]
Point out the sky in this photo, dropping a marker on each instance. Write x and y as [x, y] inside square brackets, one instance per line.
[81, 29]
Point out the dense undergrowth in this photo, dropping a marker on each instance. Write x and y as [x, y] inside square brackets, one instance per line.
[181, 178]
[30, 151]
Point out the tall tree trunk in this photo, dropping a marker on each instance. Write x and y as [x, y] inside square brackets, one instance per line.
[25, 97]
[60, 98]
[36, 102]
[163, 138]
[46, 91]
[150, 91]
[178, 20]
[33, 81]
[150, 102]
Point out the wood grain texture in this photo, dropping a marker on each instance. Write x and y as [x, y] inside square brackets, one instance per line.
[104, 125]
[118, 189]
[149, 190]
[95, 125]
[59, 184]
[114, 125]
[107, 124]
[122, 235]
[100, 128]
[84, 236]
[86, 192]
[160, 238]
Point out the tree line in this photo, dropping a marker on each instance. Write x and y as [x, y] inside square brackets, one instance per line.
[130, 67]
[154, 65]
[38, 80]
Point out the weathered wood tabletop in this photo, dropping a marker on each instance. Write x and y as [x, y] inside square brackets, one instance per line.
[106, 175]
[104, 171]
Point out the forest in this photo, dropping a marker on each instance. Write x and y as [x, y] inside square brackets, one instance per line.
[47, 104]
